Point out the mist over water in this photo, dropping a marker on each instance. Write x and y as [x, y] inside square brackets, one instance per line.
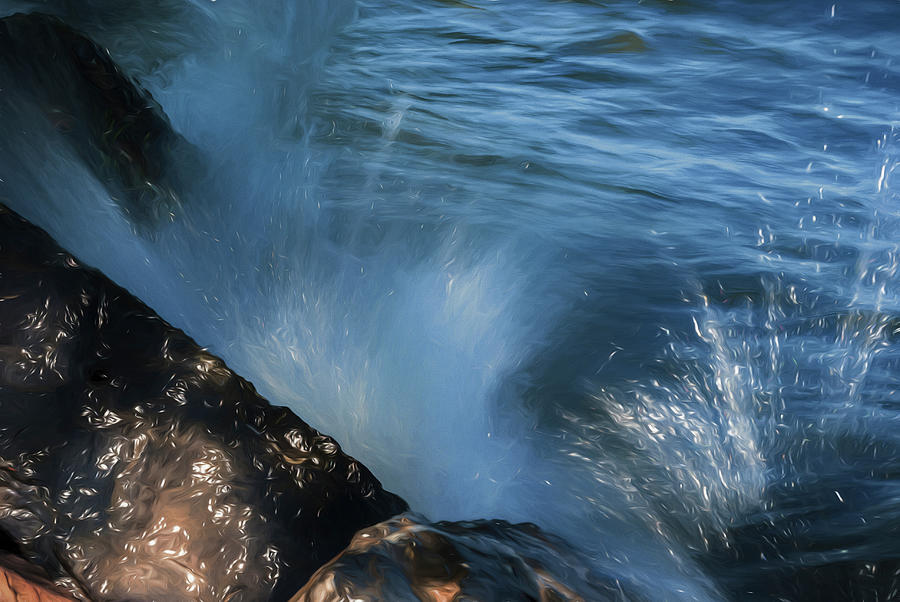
[624, 270]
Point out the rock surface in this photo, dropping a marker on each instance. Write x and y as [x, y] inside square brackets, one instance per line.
[22, 582]
[135, 465]
[408, 558]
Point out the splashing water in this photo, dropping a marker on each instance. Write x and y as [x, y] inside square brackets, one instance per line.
[518, 269]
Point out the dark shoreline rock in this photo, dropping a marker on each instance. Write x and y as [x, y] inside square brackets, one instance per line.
[112, 124]
[409, 558]
[135, 465]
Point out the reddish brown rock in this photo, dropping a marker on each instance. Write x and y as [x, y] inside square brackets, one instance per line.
[23, 582]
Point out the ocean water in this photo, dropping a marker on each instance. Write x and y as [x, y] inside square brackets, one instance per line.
[627, 270]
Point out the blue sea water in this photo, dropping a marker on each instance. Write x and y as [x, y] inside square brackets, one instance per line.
[627, 270]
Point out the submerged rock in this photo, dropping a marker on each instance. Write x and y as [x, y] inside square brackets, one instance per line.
[135, 465]
[107, 120]
[408, 558]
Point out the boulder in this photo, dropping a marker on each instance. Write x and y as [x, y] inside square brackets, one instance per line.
[135, 465]
[408, 558]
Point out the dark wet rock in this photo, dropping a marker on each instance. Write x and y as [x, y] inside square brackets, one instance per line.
[135, 465]
[106, 119]
[408, 558]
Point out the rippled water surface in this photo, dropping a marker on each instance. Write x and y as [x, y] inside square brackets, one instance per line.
[627, 270]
